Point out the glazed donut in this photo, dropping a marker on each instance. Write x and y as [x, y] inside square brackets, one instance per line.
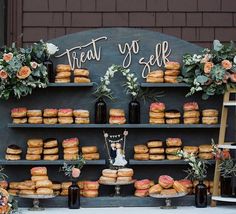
[172, 72]
[172, 65]
[191, 120]
[44, 183]
[171, 79]
[141, 156]
[152, 183]
[35, 120]
[65, 120]
[51, 151]
[168, 192]
[117, 120]
[56, 186]
[50, 112]
[156, 121]
[90, 193]
[156, 189]
[142, 184]
[125, 172]
[63, 68]
[191, 114]
[34, 143]
[3, 184]
[26, 185]
[38, 171]
[140, 149]
[26, 192]
[104, 179]
[187, 183]
[156, 74]
[13, 150]
[32, 157]
[66, 185]
[206, 155]
[50, 143]
[205, 148]
[210, 113]
[141, 192]
[209, 120]
[82, 120]
[111, 173]
[173, 142]
[70, 156]
[64, 192]
[191, 149]
[14, 185]
[116, 112]
[34, 113]
[89, 149]
[19, 120]
[91, 185]
[81, 113]
[81, 80]
[156, 115]
[50, 120]
[70, 142]
[166, 181]
[80, 184]
[157, 157]
[84, 72]
[65, 112]
[123, 179]
[51, 157]
[172, 114]
[19, 112]
[173, 121]
[172, 150]
[91, 156]
[44, 191]
[12, 157]
[62, 75]
[39, 178]
[71, 150]
[191, 106]
[157, 107]
[64, 80]
[173, 157]
[154, 79]
[156, 151]
[34, 150]
[13, 192]
[154, 143]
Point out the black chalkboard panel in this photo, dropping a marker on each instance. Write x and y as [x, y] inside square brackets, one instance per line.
[82, 97]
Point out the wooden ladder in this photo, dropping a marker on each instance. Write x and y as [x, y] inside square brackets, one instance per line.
[223, 124]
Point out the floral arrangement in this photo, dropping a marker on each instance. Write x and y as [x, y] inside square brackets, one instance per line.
[213, 71]
[22, 69]
[198, 170]
[73, 170]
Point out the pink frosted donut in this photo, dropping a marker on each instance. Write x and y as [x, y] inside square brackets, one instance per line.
[142, 184]
[70, 142]
[191, 106]
[65, 112]
[157, 107]
[166, 181]
[141, 192]
[38, 171]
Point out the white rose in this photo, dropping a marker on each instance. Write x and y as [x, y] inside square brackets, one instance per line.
[34, 65]
[51, 48]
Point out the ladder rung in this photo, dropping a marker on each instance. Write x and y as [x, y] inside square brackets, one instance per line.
[230, 103]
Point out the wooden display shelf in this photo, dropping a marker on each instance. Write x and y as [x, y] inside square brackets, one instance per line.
[163, 162]
[226, 146]
[224, 199]
[110, 126]
[164, 85]
[43, 162]
[90, 84]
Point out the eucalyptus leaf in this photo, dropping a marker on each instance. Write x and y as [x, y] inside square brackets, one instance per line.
[217, 45]
[202, 79]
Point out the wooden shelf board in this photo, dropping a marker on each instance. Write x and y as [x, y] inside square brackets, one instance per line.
[224, 199]
[227, 146]
[164, 85]
[110, 126]
[71, 84]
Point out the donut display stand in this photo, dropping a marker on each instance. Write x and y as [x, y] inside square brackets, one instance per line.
[99, 49]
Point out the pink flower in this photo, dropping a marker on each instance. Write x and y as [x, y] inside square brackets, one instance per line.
[75, 172]
[226, 64]
[3, 74]
[34, 65]
[7, 57]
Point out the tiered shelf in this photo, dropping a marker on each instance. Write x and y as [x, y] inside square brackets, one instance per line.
[224, 199]
[71, 84]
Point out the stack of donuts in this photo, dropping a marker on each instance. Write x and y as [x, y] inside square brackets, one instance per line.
[156, 113]
[50, 149]
[142, 187]
[123, 175]
[191, 113]
[81, 75]
[155, 77]
[191, 150]
[71, 148]
[56, 187]
[81, 116]
[13, 152]
[90, 153]
[90, 189]
[172, 71]
[26, 187]
[19, 115]
[63, 73]
[156, 150]
[210, 116]
[141, 152]
[172, 116]
[205, 152]
[35, 149]
[65, 116]
[117, 116]
[173, 146]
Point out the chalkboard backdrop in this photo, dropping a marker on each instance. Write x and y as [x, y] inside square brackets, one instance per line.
[111, 48]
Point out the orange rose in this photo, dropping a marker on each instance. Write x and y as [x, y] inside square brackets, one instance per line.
[226, 64]
[7, 57]
[24, 72]
[207, 67]
[3, 74]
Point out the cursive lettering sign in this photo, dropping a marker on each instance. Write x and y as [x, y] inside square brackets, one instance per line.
[76, 61]
[162, 51]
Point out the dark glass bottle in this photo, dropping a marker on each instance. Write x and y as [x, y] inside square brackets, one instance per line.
[74, 196]
[134, 112]
[100, 111]
[49, 65]
[226, 187]
[201, 195]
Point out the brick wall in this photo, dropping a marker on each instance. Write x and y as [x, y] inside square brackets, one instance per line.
[197, 21]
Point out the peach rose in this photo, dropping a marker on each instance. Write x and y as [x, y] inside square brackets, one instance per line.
[207, 67]
[233, 77]
[7, 57]
[3, 74]
[75, 172]
[24, 72]
[34, 65]
[226, 64]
